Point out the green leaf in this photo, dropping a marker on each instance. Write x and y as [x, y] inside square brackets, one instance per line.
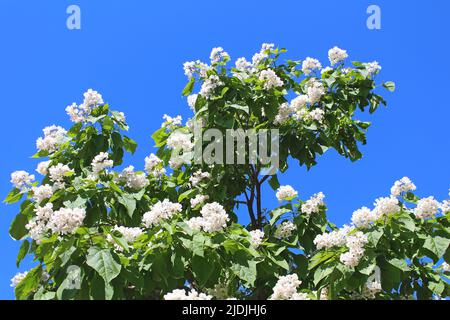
[104, 263]
[202, 269]
[277, 213]
[437, 245]
[14, 196]
[17, 229]
[29, 284]
[246, 273]
[189, 87]
[22, 252]
[129, 144]
[399, 264]
[389, 85]
[186, 194]
[198, 244]
[129, 202]
[238, 107]
[274, 183]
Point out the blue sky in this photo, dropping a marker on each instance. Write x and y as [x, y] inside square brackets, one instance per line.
[133, 51]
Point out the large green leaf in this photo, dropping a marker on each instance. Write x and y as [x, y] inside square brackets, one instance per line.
[17, 229]
[437, 245]
[29, 284]
[104, 263]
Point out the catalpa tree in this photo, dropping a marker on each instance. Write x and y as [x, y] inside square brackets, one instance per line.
[172, 231]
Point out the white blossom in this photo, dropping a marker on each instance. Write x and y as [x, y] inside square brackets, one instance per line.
[192, 68]
[209, 85]
[286, 287]
[257, 237]
[18, 278]
[66, 220]
[386, 206]
[58, 172]
[286, 193]
[180, 294]
[192, 99]
[355, 243]
[22, 179]
[270, 79]
[284, 230]
[129, 234]
[179, 140]
[317, 115]
[198, 199]
[37, 226]
[198, 177]
[162, 210]
[445, 206]
[154, 166]
[300, 296]
[363, 217]
[336, 238]
[310, 64]
[195, 223]
[313, 204]
[171, 122]
[371, 289]
[372, 67]
[315, 90]
[54, 136]
[401, 186]
[445, 267]
[426, 208]
[215, 217]
[101, 162]
[42, 167]
[133, 180]
[218, 55]
[284, 113]
[337, 55]
[42, 192]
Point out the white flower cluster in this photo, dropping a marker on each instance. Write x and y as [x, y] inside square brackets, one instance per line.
[42, 167]
[80, 113]
[100, 163]
[244, 67]
[355, 244]
[363, 217]
[386, 206]
[218, 55]
[58, 172]
[337, 55]
[258, 57]
[310, 64]
[371, 289]
[286, 287]
[22, 179]
[180, 294]
[38, 225]
[214, 218]
[192, 68]
[336, 238]
[162, 210]
[133, 180]
[171, 123]
[270, 78]
[372, 67]
[284, 113]
[179, 140]
[66, 220]
[129, 234]
[42, 192]
[198, 200]
[192, 100]
[54, 136]
[445, 206]
[401, 186]
[445, 267]
[198, 177]
[18, 278]
[315, 90]
[286, 193]
[317, 115]
[313, 204]
[209, 85]
[257, 237]
[154, 166]
[426, 208]
[284, 230]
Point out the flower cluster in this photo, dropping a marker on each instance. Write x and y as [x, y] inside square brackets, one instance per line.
[162, 210]
[198, 200]
[257, 237]
[363, 217]
[37, 226]
[336, 55]
[181, 294]
[284, 230]
[401, 186]
[192, 68]
[171, 123]
[154, 166]
[198, 177]
[336, 238]
[286, 193]
[310, 64]
[218, 55]
[66, 220]
[355, 244]
[80, 113]
[58, 172]
[42, 192]
[53, 137]
[18, 278]
[42, 167]
[426, 208]
[100, 163]
[313, 204]
[209, 85]
[129, 234]
[270, 79]
[214, 218]
[286, 288]
[133, 180]
[22, 180]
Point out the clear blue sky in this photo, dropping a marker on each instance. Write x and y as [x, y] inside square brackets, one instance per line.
[133, 51]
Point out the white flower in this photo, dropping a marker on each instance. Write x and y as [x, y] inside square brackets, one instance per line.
[58, 172]
[162, 210]
[129, 234]
[198, 177]
[101, 162]
[54, 136]
[192, 68]
[445, 206]
[257, 237]
[192, 99]
[284, 113]
[309, 65]
[171, 123]
[133, 179]
[92, 98]
[363, 218]
[195, 223]
[22, 179]
[179, 140]
[401, 186]
[18, 278]
[386, 206]
[426, 208]
[286, 287]
[42, 167]
[445, 267]
[154, 166]
[215, 217]
[286, 193]
[180, 294]
[66, 221]
[270, 78]
[337, 55]
[299, 102]
[218, 55]
[199, 199]
[300, 296]
[266, 48]
[336, 238]
[372, 67]
[371, 289]
[38, 225]
[326, 69]
[80, 113]
[209, 85]
[42, 192]
[317, 115]
[313, 204]
[284, 230]
[315, 90]
[243, 65]
[355, 243]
